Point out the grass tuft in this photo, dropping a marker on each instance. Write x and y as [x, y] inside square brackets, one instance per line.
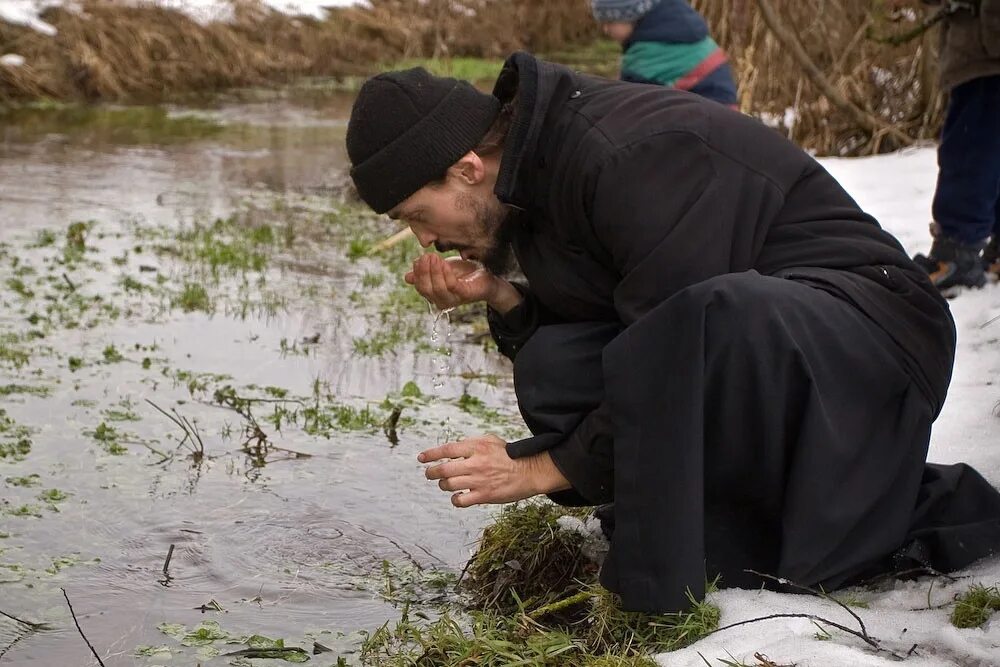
[974, 607]
[527, 559]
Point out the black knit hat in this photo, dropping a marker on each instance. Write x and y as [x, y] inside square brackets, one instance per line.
[407, 128]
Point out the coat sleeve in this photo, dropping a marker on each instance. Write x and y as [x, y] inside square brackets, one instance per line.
[584, 455]
[513, 329]
[989, 14]
[671, 212]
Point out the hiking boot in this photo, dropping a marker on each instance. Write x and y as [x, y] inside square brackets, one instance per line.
[951, 264]
[991, 258]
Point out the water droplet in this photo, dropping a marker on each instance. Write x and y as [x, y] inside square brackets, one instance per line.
[442, 348]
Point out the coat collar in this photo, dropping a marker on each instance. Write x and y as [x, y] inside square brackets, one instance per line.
[535, 82]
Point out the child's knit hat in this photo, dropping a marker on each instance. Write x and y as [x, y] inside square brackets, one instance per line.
[609, 11]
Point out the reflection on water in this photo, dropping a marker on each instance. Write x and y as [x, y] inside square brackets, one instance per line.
[285, 549]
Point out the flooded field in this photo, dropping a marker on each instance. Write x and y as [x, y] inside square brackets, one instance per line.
[199, 355]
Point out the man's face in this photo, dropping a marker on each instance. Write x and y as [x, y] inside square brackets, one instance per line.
[454, 216]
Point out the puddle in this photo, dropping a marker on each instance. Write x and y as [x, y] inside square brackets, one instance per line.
[197, 350]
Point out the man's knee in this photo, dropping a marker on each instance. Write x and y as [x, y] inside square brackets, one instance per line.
[734, 299]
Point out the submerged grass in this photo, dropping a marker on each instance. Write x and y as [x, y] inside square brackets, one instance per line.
[974, 607]
[230, 245]
[15, 439]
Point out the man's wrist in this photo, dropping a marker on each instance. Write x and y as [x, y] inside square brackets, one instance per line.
[547, 477]
[504, 298]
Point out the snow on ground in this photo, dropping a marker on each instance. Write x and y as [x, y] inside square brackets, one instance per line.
[897, 189]
[26, 12]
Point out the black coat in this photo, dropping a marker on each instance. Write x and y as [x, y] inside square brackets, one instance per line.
[628, 193]
[727, 347]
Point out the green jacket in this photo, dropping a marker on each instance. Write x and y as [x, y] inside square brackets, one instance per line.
[970, 45]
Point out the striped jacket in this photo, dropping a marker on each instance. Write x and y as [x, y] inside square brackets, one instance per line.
[670, 46]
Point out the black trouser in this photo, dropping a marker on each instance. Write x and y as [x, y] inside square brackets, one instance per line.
[758, 423]
[967, 200]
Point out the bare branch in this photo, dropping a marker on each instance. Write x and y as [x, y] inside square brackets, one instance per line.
[790, 41]
[89, 645]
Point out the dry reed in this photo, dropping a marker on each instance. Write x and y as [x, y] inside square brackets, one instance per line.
[125, 52]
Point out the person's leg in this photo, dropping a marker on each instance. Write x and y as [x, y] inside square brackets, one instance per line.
[991, 256]
[964, 206]
[761, 424]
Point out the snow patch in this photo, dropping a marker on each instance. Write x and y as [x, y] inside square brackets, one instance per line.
[26, 12]
[12, 60]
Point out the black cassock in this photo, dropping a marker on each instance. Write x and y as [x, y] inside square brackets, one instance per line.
[717, 338]
[759, 424]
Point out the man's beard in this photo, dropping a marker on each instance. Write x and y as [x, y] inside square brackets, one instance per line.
[494, 223]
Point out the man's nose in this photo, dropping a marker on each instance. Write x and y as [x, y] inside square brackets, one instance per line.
[424, 238]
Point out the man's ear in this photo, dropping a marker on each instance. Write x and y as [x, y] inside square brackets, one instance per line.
[469, 170]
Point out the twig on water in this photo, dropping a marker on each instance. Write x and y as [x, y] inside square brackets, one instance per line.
[190, 431]
[89, 645]
[166, 563]
[33, 626]
[461, 575]
[389, 426]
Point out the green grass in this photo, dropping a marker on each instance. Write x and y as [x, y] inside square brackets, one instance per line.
[601, 57]
[109, 439]
[535, 601]
[524, 558]
[193, 297]
[605, 637]
[480, 70]
[53, 496]
[118, 125]
[11, 354]
[15, 440]
[232, 245]
[612, 630]
[974, 607]
[491, 640]
[475, 407]
[31, 390]
[26, 511]
[26, 480]
[18, 286]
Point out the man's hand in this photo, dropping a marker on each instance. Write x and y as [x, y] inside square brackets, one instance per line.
[481, 472]
[454, 282]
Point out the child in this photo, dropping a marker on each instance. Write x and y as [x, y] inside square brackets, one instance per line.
[666, 42]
